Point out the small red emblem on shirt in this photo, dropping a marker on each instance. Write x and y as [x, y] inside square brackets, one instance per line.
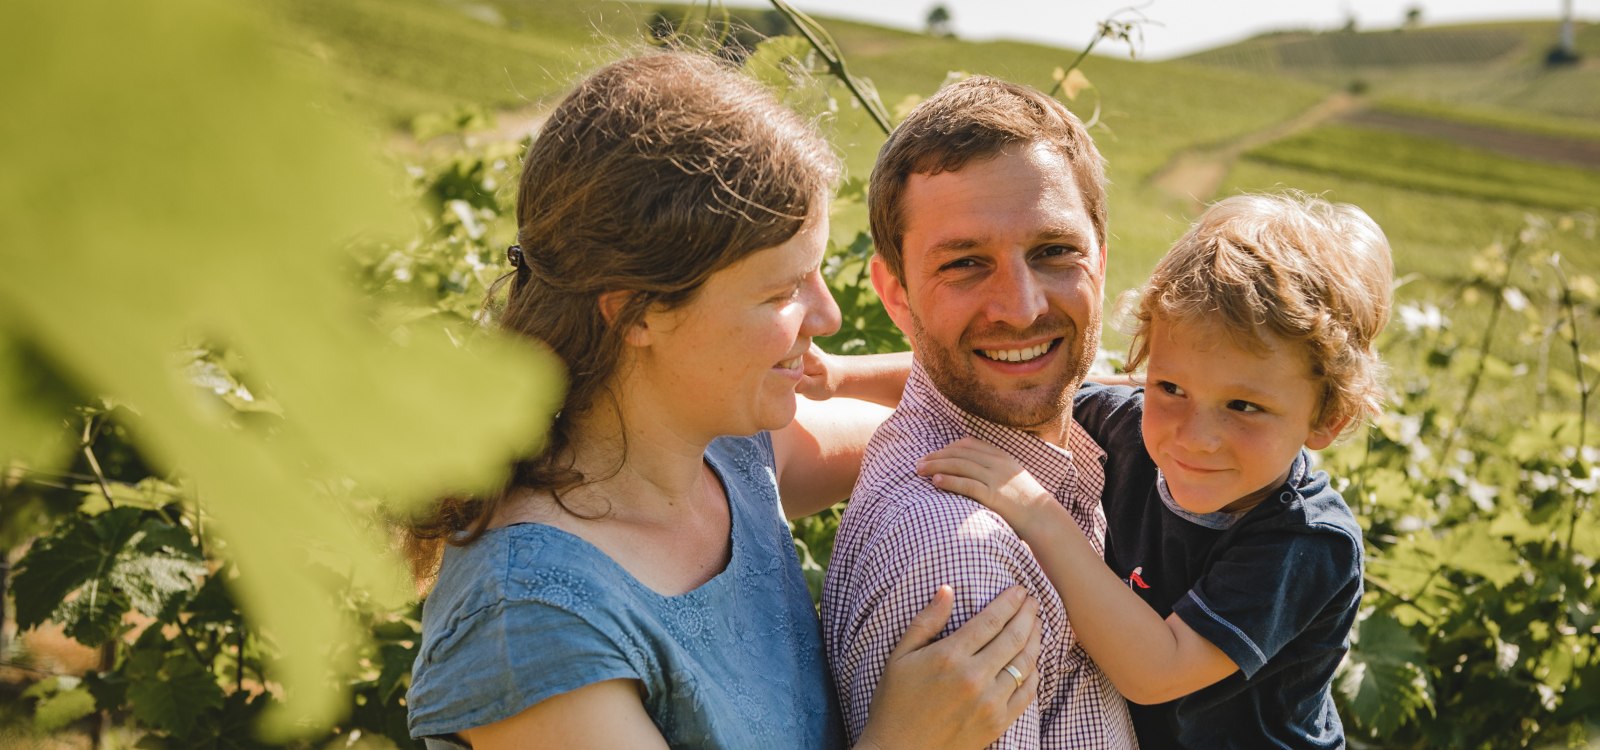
[1135, 580]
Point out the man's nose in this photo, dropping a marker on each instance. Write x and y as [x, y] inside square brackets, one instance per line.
[1017, 296]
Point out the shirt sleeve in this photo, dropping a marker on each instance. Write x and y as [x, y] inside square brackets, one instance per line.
[935, 540]
[1269, 588]
[498, 661]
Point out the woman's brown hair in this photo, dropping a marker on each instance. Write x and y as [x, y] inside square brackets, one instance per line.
[655, 173]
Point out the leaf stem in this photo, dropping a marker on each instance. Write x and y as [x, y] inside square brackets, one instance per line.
[823, 43]
[91, 432]
[1583, 390]
[1476, 379]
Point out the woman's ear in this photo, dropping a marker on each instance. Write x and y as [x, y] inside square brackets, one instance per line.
[611, 306]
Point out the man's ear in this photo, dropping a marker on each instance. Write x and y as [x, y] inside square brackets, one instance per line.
[892, 293]
[611, 304]
[1323, 436]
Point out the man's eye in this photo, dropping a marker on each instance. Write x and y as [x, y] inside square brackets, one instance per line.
[1243, 406]
[1056, 251]
[958, 264]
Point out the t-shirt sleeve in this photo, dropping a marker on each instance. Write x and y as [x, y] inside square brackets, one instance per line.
[928, 546]
[1102, 409]
[496, 662]
[1269, 588]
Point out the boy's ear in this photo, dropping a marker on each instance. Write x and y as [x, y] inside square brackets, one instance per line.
[892, 293]
[1323, 436]
[611, 304]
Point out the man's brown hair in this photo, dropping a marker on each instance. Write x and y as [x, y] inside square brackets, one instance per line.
[974, 119]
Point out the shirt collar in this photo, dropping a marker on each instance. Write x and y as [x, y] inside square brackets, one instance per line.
[1055, 467]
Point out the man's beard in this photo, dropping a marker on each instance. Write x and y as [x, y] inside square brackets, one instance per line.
[1047, 404]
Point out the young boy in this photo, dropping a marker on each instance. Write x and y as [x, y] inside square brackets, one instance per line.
[1234, 568]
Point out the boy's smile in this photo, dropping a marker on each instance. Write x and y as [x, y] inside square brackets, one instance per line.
[1225, 417]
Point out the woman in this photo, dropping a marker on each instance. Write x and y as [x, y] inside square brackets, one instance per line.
[635, 585]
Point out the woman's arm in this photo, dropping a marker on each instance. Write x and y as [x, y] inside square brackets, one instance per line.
[953, 693]
[605, 714]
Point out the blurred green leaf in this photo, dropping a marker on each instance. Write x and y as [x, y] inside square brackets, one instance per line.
[61, 708]
[148, 201]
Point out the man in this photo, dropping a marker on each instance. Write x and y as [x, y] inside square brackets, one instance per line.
[988, 211]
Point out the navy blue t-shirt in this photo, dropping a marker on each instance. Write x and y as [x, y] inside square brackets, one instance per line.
[1275, 587]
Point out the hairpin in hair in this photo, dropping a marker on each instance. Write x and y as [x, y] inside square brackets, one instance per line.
[514, 256]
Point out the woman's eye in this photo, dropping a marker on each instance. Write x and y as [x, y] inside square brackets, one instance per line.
[1243, 406]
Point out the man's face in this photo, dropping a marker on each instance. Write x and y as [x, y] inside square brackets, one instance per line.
[1003, 285]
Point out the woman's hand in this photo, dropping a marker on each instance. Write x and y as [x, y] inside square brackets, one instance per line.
[985, 473]
[962, 691]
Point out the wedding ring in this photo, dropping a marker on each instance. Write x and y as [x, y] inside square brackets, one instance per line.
[1016, 674]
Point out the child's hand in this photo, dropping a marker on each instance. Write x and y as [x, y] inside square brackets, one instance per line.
[820, 375]
[985, 473]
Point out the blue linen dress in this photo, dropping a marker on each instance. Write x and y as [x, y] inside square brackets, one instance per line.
[529, 611]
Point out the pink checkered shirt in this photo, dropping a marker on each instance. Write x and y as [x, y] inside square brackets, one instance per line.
[901, 538]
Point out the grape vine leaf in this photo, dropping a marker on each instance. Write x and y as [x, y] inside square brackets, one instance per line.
[75, 558]
[170, 692]
[214, 209]
[1381, 679]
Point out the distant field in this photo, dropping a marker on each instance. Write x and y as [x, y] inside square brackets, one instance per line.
[396, 59]
[1434, 165]
[1484, 65]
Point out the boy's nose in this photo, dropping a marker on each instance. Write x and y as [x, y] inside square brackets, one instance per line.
[1196, 434]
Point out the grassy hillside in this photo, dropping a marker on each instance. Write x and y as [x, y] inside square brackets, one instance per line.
[1440, 201]
[1497, 65]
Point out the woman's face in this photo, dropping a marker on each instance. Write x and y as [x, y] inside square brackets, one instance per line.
[728, 362]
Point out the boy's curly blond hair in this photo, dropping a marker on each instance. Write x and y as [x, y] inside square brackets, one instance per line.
[1293, 265]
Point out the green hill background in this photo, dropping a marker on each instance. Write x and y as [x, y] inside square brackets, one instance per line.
[1448, 136]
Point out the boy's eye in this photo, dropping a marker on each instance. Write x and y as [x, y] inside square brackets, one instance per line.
[1243, 406]
[1169, 388]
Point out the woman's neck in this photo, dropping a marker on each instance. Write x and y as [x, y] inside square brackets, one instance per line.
[637, 467]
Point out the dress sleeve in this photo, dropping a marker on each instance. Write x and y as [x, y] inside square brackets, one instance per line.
[931, 544]
[1269, 588]
[496, 662]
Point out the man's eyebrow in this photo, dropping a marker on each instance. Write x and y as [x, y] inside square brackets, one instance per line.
[954, 245]
[1066, 232]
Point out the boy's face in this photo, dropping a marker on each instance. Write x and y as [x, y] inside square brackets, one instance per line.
[1224, 420]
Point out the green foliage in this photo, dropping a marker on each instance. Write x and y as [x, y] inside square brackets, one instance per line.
[229, 483]
[210, 215]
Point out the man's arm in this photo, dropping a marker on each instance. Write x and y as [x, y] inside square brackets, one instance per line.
[916, 547]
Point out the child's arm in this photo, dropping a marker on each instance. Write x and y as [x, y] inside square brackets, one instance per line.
[1150, 660]
[878, 378]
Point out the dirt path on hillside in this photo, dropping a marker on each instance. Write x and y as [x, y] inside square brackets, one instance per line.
[1193, 176]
